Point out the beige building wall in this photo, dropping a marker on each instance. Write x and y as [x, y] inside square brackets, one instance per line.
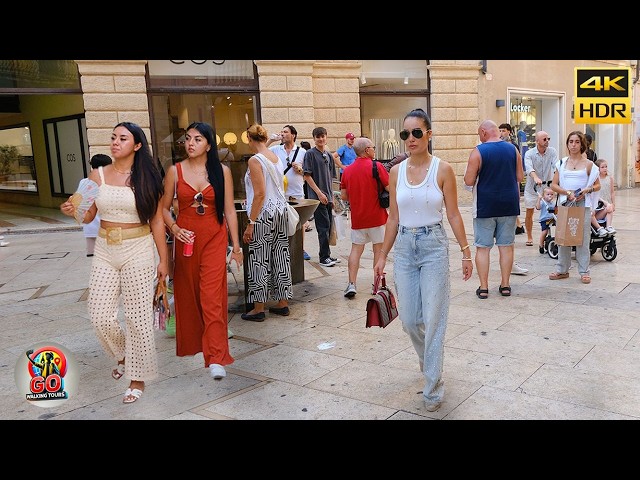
[114, 91]
[309, 93]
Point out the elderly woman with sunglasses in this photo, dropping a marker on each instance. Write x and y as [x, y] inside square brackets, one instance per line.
[419, 188]
[206, 217]
[269, 275]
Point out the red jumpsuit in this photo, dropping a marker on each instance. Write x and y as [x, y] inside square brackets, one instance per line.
[200, 281]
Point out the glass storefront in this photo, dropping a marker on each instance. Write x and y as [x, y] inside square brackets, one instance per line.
[222, 93]
[389, 89]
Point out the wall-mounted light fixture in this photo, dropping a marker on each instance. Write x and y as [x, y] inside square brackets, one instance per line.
[244, 137]
[406, 80]
[230, 138]
[363, 79]
[217, 139]
[500, 103]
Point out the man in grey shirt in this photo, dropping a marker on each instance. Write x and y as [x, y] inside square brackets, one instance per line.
[319, 170]
[539, 167]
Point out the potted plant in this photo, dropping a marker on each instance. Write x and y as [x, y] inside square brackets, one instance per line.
[9, 158]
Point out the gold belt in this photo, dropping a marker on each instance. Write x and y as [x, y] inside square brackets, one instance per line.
[115, 235]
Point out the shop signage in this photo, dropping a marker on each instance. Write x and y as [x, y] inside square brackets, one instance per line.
[519, 107]
[602, 95]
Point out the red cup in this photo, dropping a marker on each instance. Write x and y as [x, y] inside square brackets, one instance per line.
[187, 251]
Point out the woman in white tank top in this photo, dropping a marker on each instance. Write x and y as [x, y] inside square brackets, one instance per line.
[419, 187]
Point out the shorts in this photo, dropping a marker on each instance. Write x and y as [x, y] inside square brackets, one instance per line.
[362, 236]
[500, 229]
[530, 200]
[545, 224]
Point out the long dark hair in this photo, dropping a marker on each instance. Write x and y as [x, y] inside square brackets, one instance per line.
[214, 167]
[145, 180]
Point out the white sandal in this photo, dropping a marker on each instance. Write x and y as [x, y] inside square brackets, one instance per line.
[131, 396]
[118, 372]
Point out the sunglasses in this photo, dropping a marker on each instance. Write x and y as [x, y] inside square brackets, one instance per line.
[416, 132]
[326, 158]
[199, 198]
[546, 139]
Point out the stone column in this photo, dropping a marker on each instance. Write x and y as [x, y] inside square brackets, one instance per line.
[456, 111]
[114, 91]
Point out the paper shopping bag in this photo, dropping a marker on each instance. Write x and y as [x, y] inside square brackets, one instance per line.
[333, 234]
[570, 226]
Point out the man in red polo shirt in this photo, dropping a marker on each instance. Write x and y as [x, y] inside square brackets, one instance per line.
[368, 218]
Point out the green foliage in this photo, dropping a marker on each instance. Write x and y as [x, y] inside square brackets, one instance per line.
[9, 157]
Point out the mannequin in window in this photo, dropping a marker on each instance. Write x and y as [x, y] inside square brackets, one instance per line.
[390, 147]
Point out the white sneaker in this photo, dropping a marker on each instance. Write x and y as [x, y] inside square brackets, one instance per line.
[610, 230]
[4, 244]
[217, 371]
[1, 237]
[518, 270]
[601, 232]
[350, 291]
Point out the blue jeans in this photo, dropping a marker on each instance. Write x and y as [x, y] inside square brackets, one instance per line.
[421, 275]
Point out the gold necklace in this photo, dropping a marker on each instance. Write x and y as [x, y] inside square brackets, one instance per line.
[412, 167]
[120, 171]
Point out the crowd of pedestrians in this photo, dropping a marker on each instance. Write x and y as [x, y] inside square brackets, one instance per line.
[194, 203]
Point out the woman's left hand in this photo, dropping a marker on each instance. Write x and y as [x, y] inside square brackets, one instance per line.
[467, 269]
[248, 234]
[238, 257]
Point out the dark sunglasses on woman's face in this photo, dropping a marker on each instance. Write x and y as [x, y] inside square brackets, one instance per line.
[198, 198]
[416, 132]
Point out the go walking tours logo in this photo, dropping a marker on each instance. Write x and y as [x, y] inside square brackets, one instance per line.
[47, 375]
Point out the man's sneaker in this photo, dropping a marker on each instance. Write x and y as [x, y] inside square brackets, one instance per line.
[335, 260]
[305, 255]
[327, 262]
[610, 230]
[350, 291]
[518, 270]
[601, 232]
[4, 244]
[519, 230]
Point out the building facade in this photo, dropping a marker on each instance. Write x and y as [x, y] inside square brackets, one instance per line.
[54, 115]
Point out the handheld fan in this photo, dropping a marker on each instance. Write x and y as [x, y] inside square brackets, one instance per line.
[84, 197]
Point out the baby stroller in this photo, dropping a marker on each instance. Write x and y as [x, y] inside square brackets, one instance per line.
[606, 244]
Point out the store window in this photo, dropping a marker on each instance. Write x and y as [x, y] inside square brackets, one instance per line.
[389, 90]
[17, 167]
[223, 93]
[532, 112]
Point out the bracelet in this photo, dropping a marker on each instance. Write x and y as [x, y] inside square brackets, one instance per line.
[464, 248]
[383, 252]
[465, 258]
[239, 251]
[171, 227]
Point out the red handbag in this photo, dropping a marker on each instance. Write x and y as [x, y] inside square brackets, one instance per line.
[381, 308]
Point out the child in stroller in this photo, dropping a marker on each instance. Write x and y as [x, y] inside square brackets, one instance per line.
[547, 217]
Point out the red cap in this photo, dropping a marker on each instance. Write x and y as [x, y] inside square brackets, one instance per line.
[350, 136]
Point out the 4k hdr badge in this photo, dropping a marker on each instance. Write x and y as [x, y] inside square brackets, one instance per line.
[602, 95]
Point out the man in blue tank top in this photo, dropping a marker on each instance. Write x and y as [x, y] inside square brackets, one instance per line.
[494, 170]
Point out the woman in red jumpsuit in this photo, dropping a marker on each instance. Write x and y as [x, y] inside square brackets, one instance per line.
[206, 217]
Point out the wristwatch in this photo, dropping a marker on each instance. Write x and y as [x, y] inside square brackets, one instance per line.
[251, 222]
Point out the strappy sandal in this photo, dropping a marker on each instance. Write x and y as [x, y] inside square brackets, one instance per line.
[132, 395]
[505, 291]
[558, 276]
[482, 293]
[118, 372]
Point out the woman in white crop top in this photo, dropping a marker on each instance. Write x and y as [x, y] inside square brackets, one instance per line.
[419, 187]
[124, 263]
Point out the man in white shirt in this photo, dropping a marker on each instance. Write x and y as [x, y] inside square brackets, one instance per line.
[291, 157]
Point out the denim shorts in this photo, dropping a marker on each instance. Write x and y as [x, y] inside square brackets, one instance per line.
[500, 229]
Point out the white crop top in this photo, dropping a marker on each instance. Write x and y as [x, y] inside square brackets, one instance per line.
[115, 203]
[419, 205]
